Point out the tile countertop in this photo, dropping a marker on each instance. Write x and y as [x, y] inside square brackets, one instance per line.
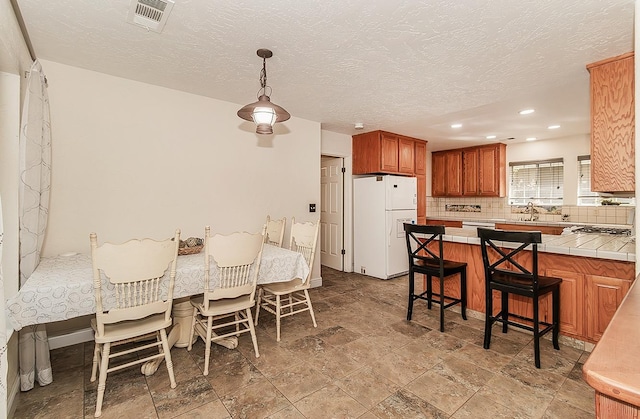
[538, 223]
[601, 246]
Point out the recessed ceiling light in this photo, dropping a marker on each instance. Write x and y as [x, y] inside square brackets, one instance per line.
[490, 137]
[527, 111]
[553, 126]
[456, 125]
[531, 139]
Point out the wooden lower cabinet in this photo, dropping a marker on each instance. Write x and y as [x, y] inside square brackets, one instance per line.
[589, 296]
[446, 223]
[524, 227]
[571, 301]
[604, 295]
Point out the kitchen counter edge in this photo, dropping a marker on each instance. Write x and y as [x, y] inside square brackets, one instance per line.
[612, 368]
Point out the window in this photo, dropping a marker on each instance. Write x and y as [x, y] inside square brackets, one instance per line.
[540, 182]
[585, 195]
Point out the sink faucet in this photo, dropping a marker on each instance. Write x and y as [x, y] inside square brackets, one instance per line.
[532, 212]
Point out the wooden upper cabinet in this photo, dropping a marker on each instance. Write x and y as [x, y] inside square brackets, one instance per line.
[454, 173]
[389, 156]
[438, 174]
[473, 171]
[384, 152]
[613, 124]
[446, 176]
[470, 172]
[406, 160]
[492, 171]
[420, 154]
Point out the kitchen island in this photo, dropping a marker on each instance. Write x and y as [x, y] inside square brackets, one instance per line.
[597, 271]
[612, 368]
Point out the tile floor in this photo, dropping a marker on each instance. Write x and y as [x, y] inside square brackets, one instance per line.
[363, 361]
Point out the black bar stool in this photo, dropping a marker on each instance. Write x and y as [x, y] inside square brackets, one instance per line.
[430, 262]
[504, 272]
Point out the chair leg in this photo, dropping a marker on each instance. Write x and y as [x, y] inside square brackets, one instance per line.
[96, 359]
[193, 328]
[237, 319]
[167, 357]
[252, 330]
[411, 289]
[441, 282]
[429, 291]
[463, 294]
[104, 365]
[207, 348]
[536, 332]
[555, 296]
[505, 312]
[313, 316]
[488, 322]
[278, 318]
[260, 291]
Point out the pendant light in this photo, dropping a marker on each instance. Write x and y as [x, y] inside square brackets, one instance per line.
[263, 112]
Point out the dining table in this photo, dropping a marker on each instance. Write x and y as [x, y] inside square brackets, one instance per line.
[61, 288]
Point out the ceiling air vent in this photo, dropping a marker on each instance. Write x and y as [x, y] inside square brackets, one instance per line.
[150, 14]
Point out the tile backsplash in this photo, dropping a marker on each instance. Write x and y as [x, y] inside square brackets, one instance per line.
[489, 208]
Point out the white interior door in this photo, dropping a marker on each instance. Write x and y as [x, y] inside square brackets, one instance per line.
[332, 212]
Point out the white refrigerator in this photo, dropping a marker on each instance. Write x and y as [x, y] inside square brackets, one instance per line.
[382, 204]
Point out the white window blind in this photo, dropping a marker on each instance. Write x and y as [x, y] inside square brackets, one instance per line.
[540, 182]
[585, 196]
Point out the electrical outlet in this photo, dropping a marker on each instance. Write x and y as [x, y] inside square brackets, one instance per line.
[363, 270]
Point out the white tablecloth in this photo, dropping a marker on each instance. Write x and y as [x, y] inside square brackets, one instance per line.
[61, 287]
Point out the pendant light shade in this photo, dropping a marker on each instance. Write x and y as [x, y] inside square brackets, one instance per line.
[263, 113]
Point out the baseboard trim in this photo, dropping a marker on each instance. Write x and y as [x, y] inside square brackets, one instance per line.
[73, 338]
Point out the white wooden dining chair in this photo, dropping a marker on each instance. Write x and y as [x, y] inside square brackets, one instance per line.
[133, 284]
[229, 289]
[274, 231]
[285, 299]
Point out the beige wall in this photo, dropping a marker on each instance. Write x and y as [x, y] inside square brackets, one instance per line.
[132, 159]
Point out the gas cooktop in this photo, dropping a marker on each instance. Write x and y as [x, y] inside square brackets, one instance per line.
[604, 230]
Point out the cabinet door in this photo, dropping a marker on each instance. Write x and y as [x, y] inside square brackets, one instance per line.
[420, 155]
[389, 157]
[438, 174]
[421, 181]
[406, 158]
[488, 171]
[613, 126]
[366, 153]
[470, 172]
[453, 173]
[571, 301]
[604, 295]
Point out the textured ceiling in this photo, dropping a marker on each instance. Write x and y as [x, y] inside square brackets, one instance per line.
[411, 67]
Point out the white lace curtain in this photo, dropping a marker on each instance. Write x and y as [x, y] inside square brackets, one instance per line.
[3, 335]
[35, 184]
